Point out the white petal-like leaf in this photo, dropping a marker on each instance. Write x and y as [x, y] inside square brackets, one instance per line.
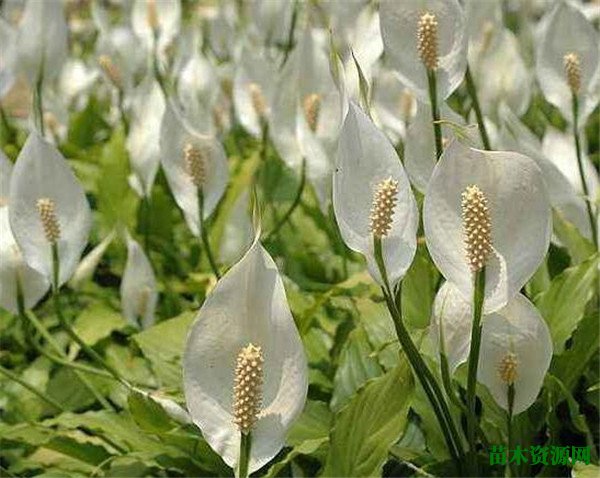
[248, 305]
[42, 172]
[138, 287]
[6, 168]
[86, 268]
[566, 30]
[519, 329]
[520, 219]
[365, 158]
[174, 136]
[12, 268]
[399, 24]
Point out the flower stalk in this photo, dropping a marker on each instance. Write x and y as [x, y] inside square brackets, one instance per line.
[472, 90]
[37, 392]
[204, 236]
[245, 449]
[38, 103]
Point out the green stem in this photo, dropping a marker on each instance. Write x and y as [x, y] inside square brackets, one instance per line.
[294, 205]
[435, 112]
[146, 214]
[36, 391]
[290, 39]
[156, 67]
[426, 378]
[509, 430]
[245, 447]
[30, 316]
[478, 296]
[38, 105]
[123, 116]
[586, 193]
[90, 352]
[204, 235]
[480, 123]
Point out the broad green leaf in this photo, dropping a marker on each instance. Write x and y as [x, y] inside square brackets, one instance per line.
[378, 324]
[97, 322]
[563, 304]
[581, 470]
[117, 203]
[163, 346]
[578, 246]
[418, 289]
[314, 423]
[355, 368]
[369, 425]
[307, 447]
[148, 414]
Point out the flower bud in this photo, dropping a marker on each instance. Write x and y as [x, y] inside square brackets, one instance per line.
[195, 164]
[427, 41]
[573, 71]
[382, 211]
[47, 212]
[247, 389]
[476, 227]
[312, 106]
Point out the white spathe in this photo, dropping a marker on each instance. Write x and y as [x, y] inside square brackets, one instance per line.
[365, 157]
[42, 172]
[248, 305]
[520, 219]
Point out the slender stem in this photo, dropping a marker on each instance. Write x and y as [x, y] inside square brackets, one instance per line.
[30, 316]
[36, 391]
[90, 352]
[156, 67]
[204, 235]
[38, 105]
[480, 123]
[245, 447]
[435, 112]
[426, 378]
[294, 205]
[478, 295]
[290, 39]
[509, 416]
[123, 116]
[146, 214]
[586, 193]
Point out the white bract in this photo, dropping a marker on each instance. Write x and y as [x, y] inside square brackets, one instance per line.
[42, 40]
[42, 176]
[516, 348]
[143, 141]
[518, 213]
[138, 287]
[86, 268]
[365, 160]
[566, 31]
[452, 319]
[6, 168]
[160, 19]
[247, 306]
[177, 137]
[399, 26]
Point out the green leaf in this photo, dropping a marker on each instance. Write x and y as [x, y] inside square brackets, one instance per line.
[356, 367]
[148, 414]
[418, 290]
[307, 447]
[369, 425]
[163, 346]
[578, 246]
[581, 470]
[563, 304]
[378, 324]
[97, 322]
[314, 423]
[117, 203]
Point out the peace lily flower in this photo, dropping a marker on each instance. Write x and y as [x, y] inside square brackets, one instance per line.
[42, 40]
[244, 367]
[487, 208]
[86, 268]
[485, 27]
[48, 208]
[516, 349]
[372, 197]
[6, 168]
[138, 287]
[15, 274]
[568, 60]
[253, 90]
[425, 34]
[156, 21]
[192, 162]
[143, 141]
